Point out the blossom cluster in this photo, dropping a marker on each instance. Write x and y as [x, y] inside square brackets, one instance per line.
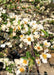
[27, 31]
[18, 65]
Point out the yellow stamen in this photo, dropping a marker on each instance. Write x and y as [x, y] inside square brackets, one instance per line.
[21, 36]
[25, 22]
[38, 62]
[14, 29]
[21, 69]
[45, 43]
[25, 61]
[38, 48]
[44, 56]
[18, 28]
[29, 39]
[33, 23]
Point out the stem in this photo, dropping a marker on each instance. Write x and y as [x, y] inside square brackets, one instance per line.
[33, 54]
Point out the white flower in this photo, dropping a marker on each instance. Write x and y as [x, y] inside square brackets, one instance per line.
[14, 33]
[36, 35]
[24, 62]
[4, 11]
[32, 23]
[21, 45]
[24, 21]
[38, 62]
[28, 39]
[44, 57]
[40, 27]
[8, 44]
[3, 45]
[8, 24]
[15, 22]
[6, 60]
[3, 27]
[12, 15]
[22, 37]
[17, 63]
[21, 70]
[47, 44]
[38, 47]
[19, 27]
[25, 28]
[46, 50]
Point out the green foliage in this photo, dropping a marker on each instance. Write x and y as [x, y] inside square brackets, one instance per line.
[9, 68]
[51, 22]
[22, 26]
[29, 32]
[28, 55]
[1, 55]
[19, 22]
[10, 30]
[4, 16]
[12, 19]
[46, 33]
[37, 0]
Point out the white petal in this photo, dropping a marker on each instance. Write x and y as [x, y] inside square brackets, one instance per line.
[44, 60]
[48, 55]
[3, 45]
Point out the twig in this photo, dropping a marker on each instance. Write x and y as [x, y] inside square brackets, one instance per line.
[33, 54]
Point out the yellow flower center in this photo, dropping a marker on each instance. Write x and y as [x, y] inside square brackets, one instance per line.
[14, 29]
[22, 69]
[25, 22]
[25, 61]
[21, 36]
[33, 23]
[38, 62]
[45, 43]
[29, 39]
[18, 28]
[44, 56]
[38, 48]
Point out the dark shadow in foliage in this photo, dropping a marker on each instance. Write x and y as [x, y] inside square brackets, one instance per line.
[1, 66]
[45, 73]
[13, 55]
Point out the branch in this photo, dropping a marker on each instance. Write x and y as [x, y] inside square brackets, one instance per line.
[33, 54]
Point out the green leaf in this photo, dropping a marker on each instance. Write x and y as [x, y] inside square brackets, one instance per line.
[31, 62]
[1, 55]
[7, 68]
[22, 26]
[37, 55]
[28, 55]
[29, 32]
[45, 32]
[12, 19]
[18, 21]
[24, 57]
[4, 16]
[15, 37]
[41, 44]
[10, 30]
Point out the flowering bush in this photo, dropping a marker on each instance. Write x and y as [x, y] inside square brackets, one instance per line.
[31, 35]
